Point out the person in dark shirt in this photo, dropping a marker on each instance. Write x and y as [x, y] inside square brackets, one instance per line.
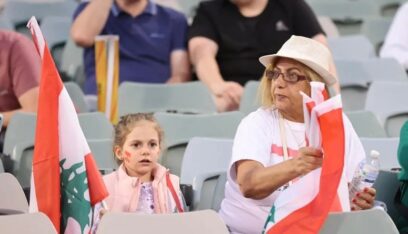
[227, 37]
[152, 40]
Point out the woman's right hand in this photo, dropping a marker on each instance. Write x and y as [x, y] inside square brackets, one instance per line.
[307, 160]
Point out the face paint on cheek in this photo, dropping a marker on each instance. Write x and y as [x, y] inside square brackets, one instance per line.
[127, 155]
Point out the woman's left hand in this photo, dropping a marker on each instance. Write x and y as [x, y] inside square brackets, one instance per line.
[364, 199]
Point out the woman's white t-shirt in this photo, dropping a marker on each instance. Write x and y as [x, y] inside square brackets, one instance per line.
[258, 138]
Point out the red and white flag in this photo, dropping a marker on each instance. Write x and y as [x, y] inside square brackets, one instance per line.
[65, 181]
[304, 206]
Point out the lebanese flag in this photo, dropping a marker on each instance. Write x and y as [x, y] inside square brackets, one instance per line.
[65, 181]
[304, 206]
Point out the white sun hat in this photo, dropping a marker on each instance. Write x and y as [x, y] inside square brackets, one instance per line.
[310, 52]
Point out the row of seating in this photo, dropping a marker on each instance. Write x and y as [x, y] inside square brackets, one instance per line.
[199, 222]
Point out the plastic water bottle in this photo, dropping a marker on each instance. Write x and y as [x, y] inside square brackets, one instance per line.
[365, 175]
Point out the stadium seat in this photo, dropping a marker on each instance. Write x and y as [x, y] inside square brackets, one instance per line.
[20, 135]
[102, 151]
[388, 101]
[179, 129]
[56, 32]
[386, 187]
[250, 101]
[197, 222]
[351, 47]
[72, 68]
[12, 198]
[375, 29]
[347, 15]
[77, 96]
[366, 124]
[29, 223]
[387, 147]
[373, 221]
[190, 98]
[19, 12]
[205, 159]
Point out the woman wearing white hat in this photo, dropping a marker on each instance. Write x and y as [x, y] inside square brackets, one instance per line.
[257, 172]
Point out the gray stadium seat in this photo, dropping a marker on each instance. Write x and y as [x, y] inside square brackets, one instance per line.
[179, 129]
[373, 221]
[387, 147]
[12, 198]
[366, 124]
[388, 101]
[197, 222]
[29, 223]
[249, 100]
[205, 159]
[190, 97]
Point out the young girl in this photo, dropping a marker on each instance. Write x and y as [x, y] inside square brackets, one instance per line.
[140, 184]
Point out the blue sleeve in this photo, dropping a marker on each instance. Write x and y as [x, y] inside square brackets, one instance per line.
[179, 32]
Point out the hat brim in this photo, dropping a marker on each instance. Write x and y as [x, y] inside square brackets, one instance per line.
[266, 60]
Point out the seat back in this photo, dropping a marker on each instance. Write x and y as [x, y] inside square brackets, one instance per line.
[95, 125]
[386, 187]
[347, 15]
[12, 196]
[21, 128]
[387, 147]
[102, 151]
[388, 101]
[373, 221]
[249, 100]
[351, 47]
[19, 12]
[29, 223]
[77, 96]
[72, 68]
[190, 97]
[198, 222]
[20, 138]
[56, 32]
[179, 129]
[375, 30]
[366, 124]
[204, 159]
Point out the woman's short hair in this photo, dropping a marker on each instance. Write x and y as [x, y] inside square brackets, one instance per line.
[264, 91]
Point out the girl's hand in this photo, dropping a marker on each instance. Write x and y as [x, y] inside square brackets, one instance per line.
[364, 199]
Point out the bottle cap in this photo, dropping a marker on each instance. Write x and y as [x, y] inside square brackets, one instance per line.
[374, 154]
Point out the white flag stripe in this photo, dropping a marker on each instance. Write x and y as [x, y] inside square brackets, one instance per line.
[317, 89]
[72, 139]
[35, 30]
[329, 105]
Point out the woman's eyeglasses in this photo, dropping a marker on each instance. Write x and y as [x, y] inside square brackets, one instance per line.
[289, 77]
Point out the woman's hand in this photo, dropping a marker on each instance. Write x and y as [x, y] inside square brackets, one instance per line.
[307, 160]
[364, 199]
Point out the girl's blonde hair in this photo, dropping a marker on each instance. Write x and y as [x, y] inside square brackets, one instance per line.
[128, 122]
[264, 91]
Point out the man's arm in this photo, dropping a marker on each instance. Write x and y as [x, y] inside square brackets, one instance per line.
[180, 67]
[90, 22]
[28, 102]
[203, 52]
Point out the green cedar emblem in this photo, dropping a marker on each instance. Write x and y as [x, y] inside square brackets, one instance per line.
[73, 201]
[271, 218]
